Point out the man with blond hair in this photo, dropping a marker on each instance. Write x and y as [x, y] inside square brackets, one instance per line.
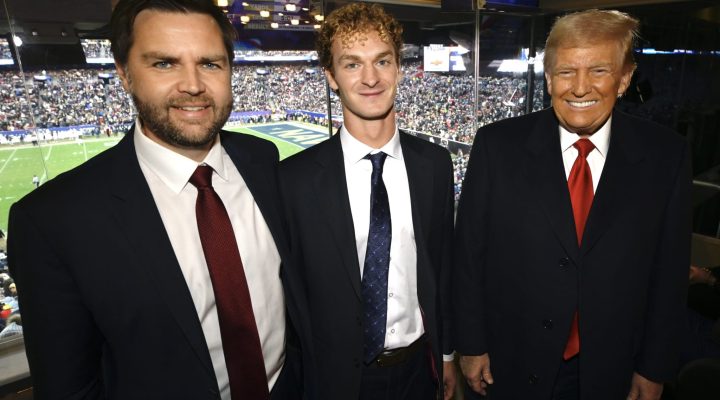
[573, 234]
[370, 218]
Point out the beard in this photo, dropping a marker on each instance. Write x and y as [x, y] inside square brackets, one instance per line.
[156, 118]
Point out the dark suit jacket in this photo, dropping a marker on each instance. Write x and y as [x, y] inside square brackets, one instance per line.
[323, 245]
[106, 310]
[520, 275]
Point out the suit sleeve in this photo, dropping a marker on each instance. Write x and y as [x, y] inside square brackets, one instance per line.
[62, 343]
[470, 240]
[667, 294]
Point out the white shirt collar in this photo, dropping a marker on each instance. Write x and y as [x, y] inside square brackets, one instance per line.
[601, 138]
[174, 169]
[355, 150]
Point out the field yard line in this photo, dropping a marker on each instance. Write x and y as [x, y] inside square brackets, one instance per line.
[8, 160]
[47, 156]
[85, 150]
[269, 137]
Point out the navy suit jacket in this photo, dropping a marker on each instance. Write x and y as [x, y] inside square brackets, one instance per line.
[325, 259]
[520, 275]
[106, 310]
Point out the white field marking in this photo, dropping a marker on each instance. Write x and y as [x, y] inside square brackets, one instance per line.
[47, 156]
[8, 161]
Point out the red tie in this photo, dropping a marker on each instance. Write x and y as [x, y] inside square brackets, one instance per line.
[581, 196]
[240, 339]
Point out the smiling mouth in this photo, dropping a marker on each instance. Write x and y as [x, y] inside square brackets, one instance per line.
[191, 108]
[581, 104]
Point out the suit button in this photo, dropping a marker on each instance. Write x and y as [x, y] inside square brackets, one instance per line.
[359, 321]
[356, 362]
[564, 262]
[533, 379]
[547, 324]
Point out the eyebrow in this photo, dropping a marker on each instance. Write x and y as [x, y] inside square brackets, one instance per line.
[352, 57]
[156, 55]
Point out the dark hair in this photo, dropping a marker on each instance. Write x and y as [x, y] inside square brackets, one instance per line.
[125, 12]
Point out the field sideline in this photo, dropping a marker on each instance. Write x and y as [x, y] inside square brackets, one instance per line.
[18, 164]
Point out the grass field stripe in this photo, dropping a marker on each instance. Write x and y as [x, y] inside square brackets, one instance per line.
[85, 150]
[47, 156]
[8, 160]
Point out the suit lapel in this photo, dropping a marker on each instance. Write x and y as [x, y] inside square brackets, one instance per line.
[330, 187]
[421, 182]
[260, 178]
[137, 215]
[617, 176]
[546, 174]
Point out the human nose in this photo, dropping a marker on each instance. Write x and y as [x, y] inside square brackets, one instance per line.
[191, 82]
[581, 84]
[370, 76]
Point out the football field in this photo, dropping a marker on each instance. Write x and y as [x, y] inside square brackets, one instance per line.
[18, 164]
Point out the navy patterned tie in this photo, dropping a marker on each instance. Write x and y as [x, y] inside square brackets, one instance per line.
[377, 262]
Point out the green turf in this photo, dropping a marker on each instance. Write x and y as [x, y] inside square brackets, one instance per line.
[284, 148]
[19, 163]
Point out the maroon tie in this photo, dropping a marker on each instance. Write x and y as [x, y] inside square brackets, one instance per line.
[240, 339]
[581, 196]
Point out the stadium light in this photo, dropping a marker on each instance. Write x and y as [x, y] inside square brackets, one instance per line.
[17, 40]
[319, 17]
[274, 25]
[316, 26]
[295, 21]
[264, 13]
[222, 3]
[244, 18]
[290, 7]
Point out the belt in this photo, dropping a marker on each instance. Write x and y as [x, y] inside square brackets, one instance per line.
[392, 357]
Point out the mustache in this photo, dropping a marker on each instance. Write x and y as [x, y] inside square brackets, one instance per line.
[189, 101]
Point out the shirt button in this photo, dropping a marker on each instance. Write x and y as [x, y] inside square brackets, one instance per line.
[390, 295]
[392, 330]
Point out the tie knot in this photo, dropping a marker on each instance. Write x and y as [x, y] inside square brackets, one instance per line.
[584, 147]
[377, 160]
[202, 177]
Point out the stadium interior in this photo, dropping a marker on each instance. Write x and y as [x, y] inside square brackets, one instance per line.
[465, 63]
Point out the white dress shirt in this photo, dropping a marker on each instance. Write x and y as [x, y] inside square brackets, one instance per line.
[404, 320]
[596, 158]
[167, 174]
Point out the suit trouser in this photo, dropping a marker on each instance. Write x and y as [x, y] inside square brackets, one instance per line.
[567, 383]
[410, 380]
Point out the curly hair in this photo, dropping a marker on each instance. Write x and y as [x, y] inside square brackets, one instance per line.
[590, 27]
[350, 22]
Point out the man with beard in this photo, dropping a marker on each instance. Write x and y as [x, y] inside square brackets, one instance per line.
[190, 212]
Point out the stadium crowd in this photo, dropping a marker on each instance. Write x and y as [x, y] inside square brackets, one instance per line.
[438, 104]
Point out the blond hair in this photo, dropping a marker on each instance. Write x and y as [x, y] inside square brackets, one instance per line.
[589, 27]
[350, 22]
